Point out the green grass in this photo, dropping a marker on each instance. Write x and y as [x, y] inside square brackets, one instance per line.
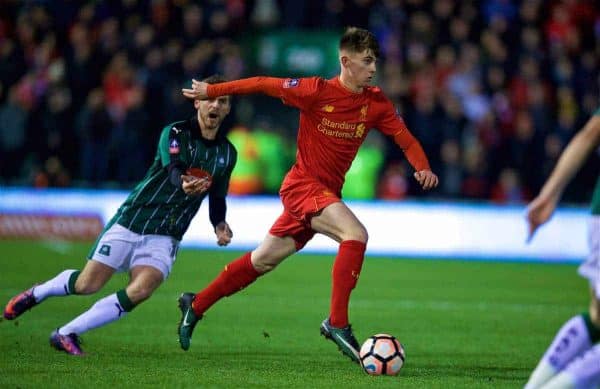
[463, 324]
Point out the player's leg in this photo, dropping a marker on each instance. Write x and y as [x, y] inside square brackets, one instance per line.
[574, 338]
[91, 279]
[68, 282]
[244, 270]
[579, 333]
[236, 275]
[149, 261]
[582, 373]
[118, 249]
[338, 222]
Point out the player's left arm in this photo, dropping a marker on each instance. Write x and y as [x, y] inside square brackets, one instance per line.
[392, 125]
[217, 204]
[540, 210]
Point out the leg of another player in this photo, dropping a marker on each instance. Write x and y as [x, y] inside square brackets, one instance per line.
[583, 372]
[144, 281]
[595, 309]
[339, 223]
[574, 338]
[68, 282]
[244, 270]
[236, 275]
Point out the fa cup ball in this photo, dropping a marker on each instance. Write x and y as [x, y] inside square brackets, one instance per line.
[382, 354]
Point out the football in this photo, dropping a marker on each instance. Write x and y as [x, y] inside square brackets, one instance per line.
[382, 354]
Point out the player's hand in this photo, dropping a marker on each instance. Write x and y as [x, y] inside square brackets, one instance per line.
[427, 179]
[197, 92]
[539, 211]
[224, 233]
[194, 186]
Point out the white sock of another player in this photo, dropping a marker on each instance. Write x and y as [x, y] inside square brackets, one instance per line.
[583, 372]
[104, 311]
[571, 341]
[61, 285]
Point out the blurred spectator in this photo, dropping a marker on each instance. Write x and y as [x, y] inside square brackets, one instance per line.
[491, 88]
[394, 182]
[451, 174]
[93, 127]
[130, 139]
[508, 190]
[14, 115]
[52, 174]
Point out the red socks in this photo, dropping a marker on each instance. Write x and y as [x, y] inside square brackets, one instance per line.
[240, 273]
[346, 270]
[235, 277]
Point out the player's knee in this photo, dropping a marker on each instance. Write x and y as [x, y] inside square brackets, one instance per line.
[359, 234]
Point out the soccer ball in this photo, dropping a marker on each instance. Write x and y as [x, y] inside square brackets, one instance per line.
[382, 354]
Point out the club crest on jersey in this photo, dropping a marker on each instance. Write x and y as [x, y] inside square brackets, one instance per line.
[363, 112]
[104, 250]
[291, 83]
[174, 147]
[328, 108]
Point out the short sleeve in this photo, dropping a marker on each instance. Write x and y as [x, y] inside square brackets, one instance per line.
[170, 145]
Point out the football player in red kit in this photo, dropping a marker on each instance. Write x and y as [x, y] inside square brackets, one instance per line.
[335, 117]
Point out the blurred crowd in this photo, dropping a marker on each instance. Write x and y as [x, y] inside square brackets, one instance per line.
[493, 89]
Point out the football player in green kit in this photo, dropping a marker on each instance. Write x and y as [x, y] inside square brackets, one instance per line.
[573, 358]
[193, 160]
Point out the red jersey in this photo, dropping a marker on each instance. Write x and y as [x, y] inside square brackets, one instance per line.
[334, 122]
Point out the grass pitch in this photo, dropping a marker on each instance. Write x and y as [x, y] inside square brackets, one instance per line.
[463, 324]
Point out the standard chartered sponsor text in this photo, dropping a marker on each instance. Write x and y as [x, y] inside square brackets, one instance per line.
[332, 128]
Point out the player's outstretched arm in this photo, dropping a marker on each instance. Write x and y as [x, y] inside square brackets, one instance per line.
[577, 151]
[197, 92]
[271, 86]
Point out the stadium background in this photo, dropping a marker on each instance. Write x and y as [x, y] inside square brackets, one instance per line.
[493, 89]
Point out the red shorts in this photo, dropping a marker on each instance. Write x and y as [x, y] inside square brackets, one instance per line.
[302, 199]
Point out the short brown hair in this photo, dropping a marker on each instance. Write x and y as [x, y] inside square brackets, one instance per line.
[214, 79]
[358, 40]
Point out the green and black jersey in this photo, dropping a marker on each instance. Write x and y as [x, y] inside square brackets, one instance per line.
[156, 205]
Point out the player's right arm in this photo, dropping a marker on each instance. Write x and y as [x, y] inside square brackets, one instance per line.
[577, 151]
[297, 92]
